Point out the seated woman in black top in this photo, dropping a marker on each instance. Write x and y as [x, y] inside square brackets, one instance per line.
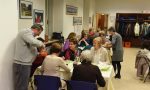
[84, 42]
[86, 71]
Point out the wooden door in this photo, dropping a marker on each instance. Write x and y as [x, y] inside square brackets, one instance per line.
[101, 21]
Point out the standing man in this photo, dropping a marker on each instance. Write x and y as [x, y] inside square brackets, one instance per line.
[24, 55]
[117, 48]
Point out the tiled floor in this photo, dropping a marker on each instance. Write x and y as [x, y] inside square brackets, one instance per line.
[129, 80]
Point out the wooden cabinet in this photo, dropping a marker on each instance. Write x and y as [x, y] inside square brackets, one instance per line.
[125, 23]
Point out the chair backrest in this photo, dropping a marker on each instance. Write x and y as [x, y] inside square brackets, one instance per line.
[47, 82]
[147, 73]
[81, 85]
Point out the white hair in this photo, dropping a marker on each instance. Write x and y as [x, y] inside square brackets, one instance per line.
[86, 55]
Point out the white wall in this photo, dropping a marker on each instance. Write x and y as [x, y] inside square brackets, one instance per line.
[27, 23]
[50, 10]
[58, 15]
[55, 16]
[112, 7]
[91, 11]
[59, 21]
[9, 29]
[68, 19]
[88, 11]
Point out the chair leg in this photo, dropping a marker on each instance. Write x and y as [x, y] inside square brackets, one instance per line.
[32, 86]
[145, 78]
[31, 82]
[147, 75]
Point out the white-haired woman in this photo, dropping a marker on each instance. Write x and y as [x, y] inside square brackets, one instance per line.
[80, 71]
[99, 53]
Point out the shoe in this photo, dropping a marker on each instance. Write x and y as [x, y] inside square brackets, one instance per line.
[118, 76]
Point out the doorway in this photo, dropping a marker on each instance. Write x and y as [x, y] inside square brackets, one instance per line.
[101, 21]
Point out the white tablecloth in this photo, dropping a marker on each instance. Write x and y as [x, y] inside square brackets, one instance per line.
[106, 70]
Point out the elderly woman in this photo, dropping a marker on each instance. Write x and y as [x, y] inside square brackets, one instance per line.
[99, 53]
[94, 74]
[106, 43]
[52, 63]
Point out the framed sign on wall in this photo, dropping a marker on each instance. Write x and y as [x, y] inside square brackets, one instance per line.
[71, 10]
[25, 9]
[38, 17]
[77, 20]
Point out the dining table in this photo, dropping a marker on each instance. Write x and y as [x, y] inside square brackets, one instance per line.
[105, 68]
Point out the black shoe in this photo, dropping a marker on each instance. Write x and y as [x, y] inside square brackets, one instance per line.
[118, 76]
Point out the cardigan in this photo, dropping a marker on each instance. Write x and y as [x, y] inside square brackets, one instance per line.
[26, 47]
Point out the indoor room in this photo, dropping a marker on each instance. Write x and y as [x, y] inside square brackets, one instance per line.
[93, 20]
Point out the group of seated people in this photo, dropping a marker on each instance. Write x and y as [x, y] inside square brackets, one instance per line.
[97, 44]
[52, 64]
[95, 50]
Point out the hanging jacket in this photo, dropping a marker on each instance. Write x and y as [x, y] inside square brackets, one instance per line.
[137, 29]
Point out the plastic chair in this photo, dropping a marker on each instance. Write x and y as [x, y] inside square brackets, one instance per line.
[47, 82]
[148, 70]
[80, 85]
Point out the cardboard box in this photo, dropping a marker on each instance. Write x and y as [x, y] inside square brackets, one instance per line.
[128, 44]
